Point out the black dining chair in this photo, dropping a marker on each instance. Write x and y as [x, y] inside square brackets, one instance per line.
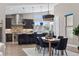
[44, 34]
[43, 45]
[36, 41]
[54, 44]
[60, 37]
[54, 36]
[62, 46]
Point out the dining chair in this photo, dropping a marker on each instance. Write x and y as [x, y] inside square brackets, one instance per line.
[36, 41]
[43, 45]
[54, 36]
[60, 37]
[61, 46]
[53, 45]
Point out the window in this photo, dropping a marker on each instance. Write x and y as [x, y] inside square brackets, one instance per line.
[69, 26]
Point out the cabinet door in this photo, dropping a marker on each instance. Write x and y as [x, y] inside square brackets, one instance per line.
[28, 23]
[8, 37]
[8, 23]
[0, 34]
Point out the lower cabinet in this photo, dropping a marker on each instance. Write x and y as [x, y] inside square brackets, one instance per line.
[26, 39]
[22, 38]
[8, 37]
[0, 34]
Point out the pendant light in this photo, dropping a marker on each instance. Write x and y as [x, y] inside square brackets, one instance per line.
[41, 23]
[48, 16]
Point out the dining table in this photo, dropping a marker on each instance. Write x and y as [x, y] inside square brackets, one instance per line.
[50, 41]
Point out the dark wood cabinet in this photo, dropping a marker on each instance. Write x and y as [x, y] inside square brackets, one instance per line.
[28, 23]
[26, 39]
[8, 23]
[0, 34]
[8, 37]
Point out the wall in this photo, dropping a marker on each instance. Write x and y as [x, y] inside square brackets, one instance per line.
[61, 10]
[2, 20]
[56, 25]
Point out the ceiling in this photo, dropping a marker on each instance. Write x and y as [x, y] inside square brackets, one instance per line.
[14, 8]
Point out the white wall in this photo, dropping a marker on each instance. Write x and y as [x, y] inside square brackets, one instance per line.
[2, 20]
[61, 10]
[56, 25]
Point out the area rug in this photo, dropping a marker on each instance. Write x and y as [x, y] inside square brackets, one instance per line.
[34, 52]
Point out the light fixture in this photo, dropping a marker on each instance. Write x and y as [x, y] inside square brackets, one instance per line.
[48, 16]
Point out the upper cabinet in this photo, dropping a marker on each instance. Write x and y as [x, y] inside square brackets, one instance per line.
[8, 23]
[12, 20]
[28, 23]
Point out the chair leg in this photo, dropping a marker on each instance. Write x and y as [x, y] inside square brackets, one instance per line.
[52, 51]
[66, 53]
[55, 51]
[58, 53]
[62, 52]
[43, 51]
[36, 48]
[40, 49]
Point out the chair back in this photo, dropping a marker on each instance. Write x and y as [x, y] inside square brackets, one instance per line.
[39, 35]
[60, 37]
[62, 44]
[54, 36]
[36, 39]
[40, 41]
[35, 34]
[44, 34]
